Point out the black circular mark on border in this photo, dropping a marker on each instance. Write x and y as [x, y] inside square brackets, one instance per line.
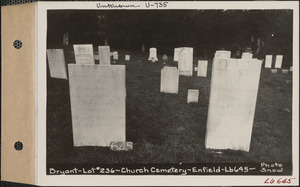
[18, 146]
[17, 44]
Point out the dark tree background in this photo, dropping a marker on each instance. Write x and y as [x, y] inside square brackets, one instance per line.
[205, 30]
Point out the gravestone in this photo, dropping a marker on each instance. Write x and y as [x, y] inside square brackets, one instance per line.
[84, 54]
[233, 93]
[273, 70]
[291, 68]
[268, 61]
[176, 54]
[169, 80]
[221, 54]
[98, 96]
[127, 57]
[202, 68]
[278, 61]
[284, 71]
[192, 96]
[104, 55]
[57, 64]
[247, 55]
[153, 55]
[185, 61]
[115, 55]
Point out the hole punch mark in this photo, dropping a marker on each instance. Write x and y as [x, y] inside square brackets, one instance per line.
[17, 44]
[18, 146]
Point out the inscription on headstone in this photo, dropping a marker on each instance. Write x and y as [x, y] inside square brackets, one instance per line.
[247, 55]
[185, 61]
[268, 61]
[234, 87]
[57, 65]
[278, 61]
[202, 68]
[104, 55]
[192, 96]
[169, 80]
[84, 54]
[97, 104]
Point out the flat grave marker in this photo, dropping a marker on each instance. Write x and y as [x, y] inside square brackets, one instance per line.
[84, 54]
[57, 64]
[98, 97]
[169, 80]
[192, 96]
[233, 93]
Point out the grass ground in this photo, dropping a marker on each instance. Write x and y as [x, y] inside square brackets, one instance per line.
[164, 128]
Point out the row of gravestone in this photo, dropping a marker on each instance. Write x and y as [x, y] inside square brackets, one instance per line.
[98, 95]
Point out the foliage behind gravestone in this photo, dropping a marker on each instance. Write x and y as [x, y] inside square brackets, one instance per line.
[167, 29]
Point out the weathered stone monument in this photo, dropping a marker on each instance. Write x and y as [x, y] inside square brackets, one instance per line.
[193, 96]
[84, 54]
[268, 61]
[273, 70]
[247, 55]
[233, 93]
[169, 80]
[153, 55]
[97, 104]
[176, 54]
[202, 68]
[222, 54]
[57, 64]
[127, 57]
[115, 55]
[104, 55]
[278, 61]
[185, 61]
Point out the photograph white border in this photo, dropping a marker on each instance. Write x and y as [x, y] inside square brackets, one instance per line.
[110, 180]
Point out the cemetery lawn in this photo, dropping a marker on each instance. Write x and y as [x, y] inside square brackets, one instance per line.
[164, 128]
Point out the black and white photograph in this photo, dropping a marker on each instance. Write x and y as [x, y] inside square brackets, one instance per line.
[177, 92]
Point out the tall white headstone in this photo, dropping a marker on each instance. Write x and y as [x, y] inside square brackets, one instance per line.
[278, 61]
[221, 54]
[233, 93]
[169, 80]
[247, 55]
[202, 68]
[176, 54]
[84, 54]
[268, 61]
[193, 96]
[57, 64]
[153, 55]
[104, 55]
[185, 61]
[97, 104]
